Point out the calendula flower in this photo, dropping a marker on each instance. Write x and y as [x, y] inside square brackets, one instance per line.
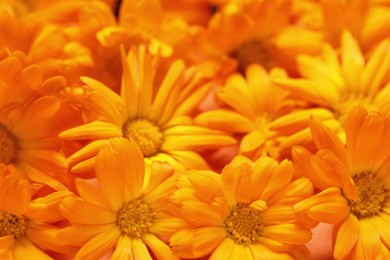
[28, 134]
[256, 32]
[243, 213]
[26, 226]
[128, 211]
[354, 183]
[334, 83]
[155, 116]
[253, 104]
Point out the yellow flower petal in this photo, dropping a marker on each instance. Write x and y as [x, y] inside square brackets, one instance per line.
[81, 212]
[159, 248]
[99, 245]
[347, 236]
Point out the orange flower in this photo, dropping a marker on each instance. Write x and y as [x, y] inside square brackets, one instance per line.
[354, 182]
[262, 34]
[243, 213]
[26, 227]
[333, 83]
[129, 210]
[28, 138]
[155, 116]
[253, 104]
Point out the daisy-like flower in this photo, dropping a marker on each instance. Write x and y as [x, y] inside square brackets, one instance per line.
[257, 32]
[129, 212]
[26, 226]
[243, 213]
[253, 104]
[155, 116]
[354, 182]
[28, 135]
[334, 83]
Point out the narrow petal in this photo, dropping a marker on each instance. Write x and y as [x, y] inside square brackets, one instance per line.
[123, 249]
[77, 235]
[224, 250]
[25, 250]
[328, 206]
[259, 251]
[159, 248]
[324, 138]
[99, 245]
[347, 236]
[287, 233]
[110, 176]
[140, 250]
[93, 130]
[81, 212]
[253, 140]
[225, 120]
[352, 62]
[90, 193]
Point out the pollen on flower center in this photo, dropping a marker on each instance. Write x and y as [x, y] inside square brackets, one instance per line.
[146, 134]
[244, 225]
[8, 146]
[371, 195]
[134, 218]
[252, 51]
[11, 224]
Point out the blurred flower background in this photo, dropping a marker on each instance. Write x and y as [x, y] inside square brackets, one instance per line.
[194, 129]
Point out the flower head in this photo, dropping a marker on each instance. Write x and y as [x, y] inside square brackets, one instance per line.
[333, 83]
[354, 182]
[243, 213]
[27, 227]
[28, 132]
[264, 33]
[156, 116]
[129, 209]
[253, 103]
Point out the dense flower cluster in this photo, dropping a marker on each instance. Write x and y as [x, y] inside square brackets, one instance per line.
[181, 129]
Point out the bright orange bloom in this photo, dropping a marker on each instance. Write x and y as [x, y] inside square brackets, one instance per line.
[129, 211]
[154, 114]
[256, 32]
[354, 181]
[26, 227]
[243, 213]
[333, 83]
[253, 104]
[28, 130]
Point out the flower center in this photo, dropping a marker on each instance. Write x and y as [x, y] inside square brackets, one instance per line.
[8, 146]
[11, 224]
[253, 51]
[146, 134]
[244, 224]
[135, 218]
[371, 195]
